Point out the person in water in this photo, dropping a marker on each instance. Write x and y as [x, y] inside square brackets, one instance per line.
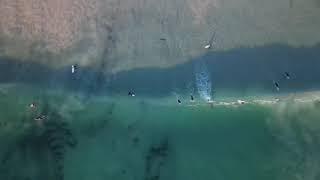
[276, 85]
[179, 101]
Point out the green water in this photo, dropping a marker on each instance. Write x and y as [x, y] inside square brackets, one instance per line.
[117, 138]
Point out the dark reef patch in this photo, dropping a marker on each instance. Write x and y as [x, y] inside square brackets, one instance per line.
[155, 160]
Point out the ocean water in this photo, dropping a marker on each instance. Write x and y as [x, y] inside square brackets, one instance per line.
[86, 127]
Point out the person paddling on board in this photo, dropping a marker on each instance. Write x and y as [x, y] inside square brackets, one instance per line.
[73, 68]
[211, 41]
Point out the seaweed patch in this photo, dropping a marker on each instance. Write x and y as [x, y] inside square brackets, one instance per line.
[58, 137]
[155, 160]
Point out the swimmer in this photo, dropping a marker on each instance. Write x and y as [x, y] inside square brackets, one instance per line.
[130, 93]
[179, 101]
[73, 68]
[287, 75]
[276, 85]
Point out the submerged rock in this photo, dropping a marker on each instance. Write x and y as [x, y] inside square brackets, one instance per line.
[155, 160]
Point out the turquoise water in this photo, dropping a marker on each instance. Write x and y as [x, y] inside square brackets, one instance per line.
[140, 138]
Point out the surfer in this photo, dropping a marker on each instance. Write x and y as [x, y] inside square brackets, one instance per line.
[287, 75]
[276, 85]
[131, 93]
[179, 101]
[73, 68]
[211, 41]
[207, 46]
